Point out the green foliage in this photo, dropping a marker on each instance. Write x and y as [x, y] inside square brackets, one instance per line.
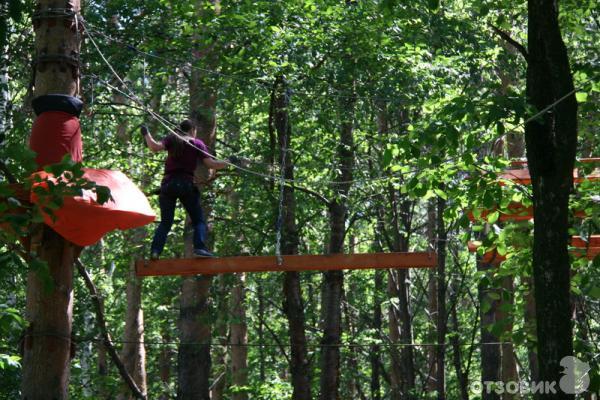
[434, 91]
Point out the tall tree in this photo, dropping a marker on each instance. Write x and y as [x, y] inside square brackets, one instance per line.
[333, 281]
[47, 345]
[194, 358]
[134, 352]
[293, 304]
[551, 143]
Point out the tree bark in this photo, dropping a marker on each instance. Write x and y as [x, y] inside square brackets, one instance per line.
[440, 355]
[47, 346]
[239, 340]
[461, 376]
[293, 304]
[490, 351]
[219, 353]
[4, 77]
[400, 326]
[530, 325]
[194, 358]
[551, 141]
[134, 352]
[375, 356]
[49, 311]
[334, 280]
[432, 304]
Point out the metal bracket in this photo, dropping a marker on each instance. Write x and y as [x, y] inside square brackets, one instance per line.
[59, 58]
[53, 13]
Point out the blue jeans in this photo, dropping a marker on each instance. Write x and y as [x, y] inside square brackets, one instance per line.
[187, 193]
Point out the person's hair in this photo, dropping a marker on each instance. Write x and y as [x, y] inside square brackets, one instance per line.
[184, 129]
[186, 125]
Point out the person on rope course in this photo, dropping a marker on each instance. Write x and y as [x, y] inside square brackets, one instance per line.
[178, 183]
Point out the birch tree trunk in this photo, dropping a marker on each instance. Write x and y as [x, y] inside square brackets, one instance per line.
[47, 345]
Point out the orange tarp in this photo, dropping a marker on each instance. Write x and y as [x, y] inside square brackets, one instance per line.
[83, 221]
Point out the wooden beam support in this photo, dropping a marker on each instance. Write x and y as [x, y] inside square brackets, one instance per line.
[522, 177]
[582, 248]
[220, 265]
[592, 160]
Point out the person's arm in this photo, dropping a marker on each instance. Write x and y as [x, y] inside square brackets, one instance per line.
[153, 145]
[214, 164]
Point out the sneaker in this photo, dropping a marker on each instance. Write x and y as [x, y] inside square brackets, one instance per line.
[154, 256]
[203, 253]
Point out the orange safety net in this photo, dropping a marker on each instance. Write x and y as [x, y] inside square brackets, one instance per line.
[83, 221]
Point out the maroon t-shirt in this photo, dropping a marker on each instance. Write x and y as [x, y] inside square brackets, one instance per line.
[183, 164]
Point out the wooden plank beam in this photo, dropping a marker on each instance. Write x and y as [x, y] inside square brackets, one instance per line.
[220, 265]
[592, 241]
[521, 176]
[593, 160]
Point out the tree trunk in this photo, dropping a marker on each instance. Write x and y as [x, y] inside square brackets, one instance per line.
[194, 358]
[134, 352]
[530, 324]
[509, 372]
[292, 291]
[375, 349]
[239, 340]
[432, 304]
[440, 355]
[334, 280]
[461, 376]
[49, 311]
[400, 326]
[164, 364]
[4, 89]
[490, 351]
[219, 353]
[551, 141]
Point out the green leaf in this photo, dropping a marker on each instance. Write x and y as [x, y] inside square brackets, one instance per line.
[594, 292]
[493, 217]
[15, 9]
[581, 97]
[433, 4]
[441, 193]
[387, 157]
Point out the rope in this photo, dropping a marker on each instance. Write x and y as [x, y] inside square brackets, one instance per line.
[237, 77]
[274, 178]
[230, 344]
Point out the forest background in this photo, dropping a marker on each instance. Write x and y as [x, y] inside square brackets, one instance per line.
[392, 120]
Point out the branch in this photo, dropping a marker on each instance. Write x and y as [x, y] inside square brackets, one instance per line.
[105, 335]
[518, 46]
[312, 193]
